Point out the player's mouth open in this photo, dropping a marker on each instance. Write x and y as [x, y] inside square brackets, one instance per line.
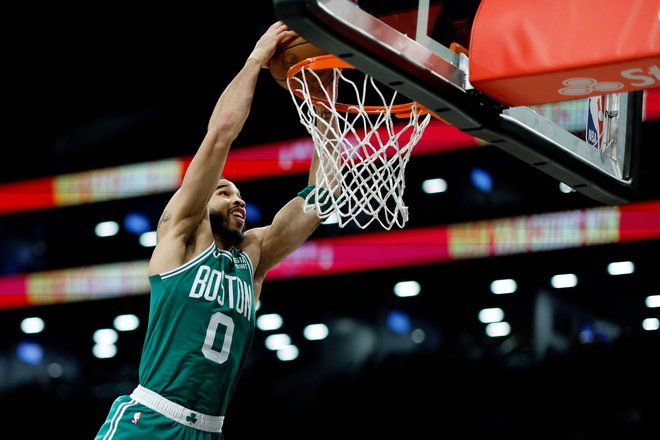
[239, 214]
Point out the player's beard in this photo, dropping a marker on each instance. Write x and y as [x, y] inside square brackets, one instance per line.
[221, 229]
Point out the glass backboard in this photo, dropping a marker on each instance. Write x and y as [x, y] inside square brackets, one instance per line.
[421, 48]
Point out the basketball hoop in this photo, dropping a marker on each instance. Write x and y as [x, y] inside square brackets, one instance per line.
[363, 151]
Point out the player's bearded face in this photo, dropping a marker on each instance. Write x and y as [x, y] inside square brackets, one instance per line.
[230, 235]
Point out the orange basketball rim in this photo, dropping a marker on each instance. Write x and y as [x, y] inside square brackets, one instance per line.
[324, 62]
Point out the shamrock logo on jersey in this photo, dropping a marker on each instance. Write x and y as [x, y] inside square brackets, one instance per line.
[192, 418]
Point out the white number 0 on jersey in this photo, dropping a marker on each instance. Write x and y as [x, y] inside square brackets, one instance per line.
[207, 349]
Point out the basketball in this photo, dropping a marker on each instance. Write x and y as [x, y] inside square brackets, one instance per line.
[289, 55]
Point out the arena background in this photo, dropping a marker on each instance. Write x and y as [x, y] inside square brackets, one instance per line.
[93, 90]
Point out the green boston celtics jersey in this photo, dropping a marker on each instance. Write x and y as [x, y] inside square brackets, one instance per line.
[201, 324]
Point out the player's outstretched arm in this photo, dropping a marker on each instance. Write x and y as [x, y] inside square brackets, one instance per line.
[292, 226]
[187, 208]
[225, 124]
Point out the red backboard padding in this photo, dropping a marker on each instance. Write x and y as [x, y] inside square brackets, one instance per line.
[525, 52]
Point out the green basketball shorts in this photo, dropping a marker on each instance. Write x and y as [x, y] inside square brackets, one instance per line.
[130, 418]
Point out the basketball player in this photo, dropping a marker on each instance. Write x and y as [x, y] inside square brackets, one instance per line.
[206, 275]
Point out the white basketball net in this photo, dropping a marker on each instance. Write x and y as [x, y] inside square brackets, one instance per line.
[362, 155]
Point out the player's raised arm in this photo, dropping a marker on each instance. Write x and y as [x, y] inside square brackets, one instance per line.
[291, 226]
[187, 208]
[225, 124]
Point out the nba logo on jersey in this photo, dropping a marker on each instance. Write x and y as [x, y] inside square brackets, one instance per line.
[136, 417]
[595, 115]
